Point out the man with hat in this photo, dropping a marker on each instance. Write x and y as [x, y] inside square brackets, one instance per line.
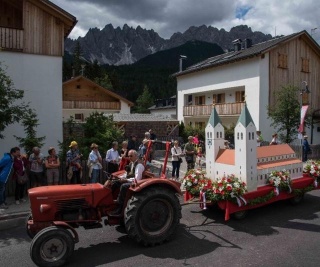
[306, 148]
[189, 151]
[74, 160]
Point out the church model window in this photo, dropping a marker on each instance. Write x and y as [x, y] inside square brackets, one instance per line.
[220, 134]
[252, 135]
[241, 136]
[217, 134]
[238, 136]
[249, 136]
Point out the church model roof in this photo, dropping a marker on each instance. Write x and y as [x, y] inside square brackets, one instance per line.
[245, 117]
[214, 118]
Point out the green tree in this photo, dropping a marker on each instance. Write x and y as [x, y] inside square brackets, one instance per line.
[30, 123]
[69, 127]
[10, 110]
[99, 129]
[77, 61]
[104, 81]
[285, 113]
[144, 101]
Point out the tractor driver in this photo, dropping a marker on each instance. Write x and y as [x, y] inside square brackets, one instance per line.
[134, 172]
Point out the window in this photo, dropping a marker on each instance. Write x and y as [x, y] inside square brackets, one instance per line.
[218, 98]
[189, 99]
[200, 100]
[240, 96]
[78, 86]
[282, 61]
[305, 65]
[78, 117]
[199, 124]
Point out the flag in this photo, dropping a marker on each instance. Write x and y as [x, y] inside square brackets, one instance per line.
[303, 113]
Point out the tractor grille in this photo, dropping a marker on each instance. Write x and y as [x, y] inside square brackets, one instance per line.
[71, 204]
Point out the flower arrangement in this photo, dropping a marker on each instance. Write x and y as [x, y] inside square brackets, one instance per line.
[195, 180]
[227, 188]
[312, 168]
[280, 179]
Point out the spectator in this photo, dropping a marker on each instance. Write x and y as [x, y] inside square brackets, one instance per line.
[259, 138]
[124, 155]
[274, 140]
[134, 173]
[196, 139]
[36, 161]
[152, 135]
[176, 152]
[6, 165]
[226, 144]
[190, 151]
[306, 148]
[74, 160]
[20, 164]
[112, 158]
[94, 163]
[143, 148]
[52, 163]
[147, 135]
[200, 157]
[132, 143]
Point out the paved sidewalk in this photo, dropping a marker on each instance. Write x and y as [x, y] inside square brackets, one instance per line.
[15, 215]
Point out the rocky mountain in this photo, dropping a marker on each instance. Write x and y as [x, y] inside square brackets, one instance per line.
[116, 46]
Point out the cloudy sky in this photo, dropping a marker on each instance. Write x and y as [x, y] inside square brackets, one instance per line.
[169, 16]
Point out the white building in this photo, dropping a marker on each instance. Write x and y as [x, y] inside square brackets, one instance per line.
[32, 36]
[251, 73]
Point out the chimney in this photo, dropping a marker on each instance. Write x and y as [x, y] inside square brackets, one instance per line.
[247, 43]
[237, 44]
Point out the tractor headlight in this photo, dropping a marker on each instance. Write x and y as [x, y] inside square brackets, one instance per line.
[44, 208]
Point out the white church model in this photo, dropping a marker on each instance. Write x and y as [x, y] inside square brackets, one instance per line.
[248, 162]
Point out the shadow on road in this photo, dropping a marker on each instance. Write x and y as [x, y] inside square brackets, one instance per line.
[185, 245]
[265, 220]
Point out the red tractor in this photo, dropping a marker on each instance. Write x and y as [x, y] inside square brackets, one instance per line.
[150, 215]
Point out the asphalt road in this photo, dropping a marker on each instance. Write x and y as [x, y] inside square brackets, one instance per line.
[275, 235]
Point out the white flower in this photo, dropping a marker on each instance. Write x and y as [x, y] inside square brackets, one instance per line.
[236, 185]
[189, 184]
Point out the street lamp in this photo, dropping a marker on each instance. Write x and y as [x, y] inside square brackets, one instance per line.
[304, 89]
[182, 57]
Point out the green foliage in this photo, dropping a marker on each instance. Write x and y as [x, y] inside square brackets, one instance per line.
[144, 101]
[155, 70]
[104, 81]
[10, 111]
[192, 131]
[64, 146]
[77, 62]
[229, 133]
[285, 114]
[99, 129]
[30, 123]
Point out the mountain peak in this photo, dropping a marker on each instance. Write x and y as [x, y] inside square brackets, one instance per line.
[118, 46]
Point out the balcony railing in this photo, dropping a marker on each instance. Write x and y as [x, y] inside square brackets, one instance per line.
[91, 105]
[11, 39]
[205, 110]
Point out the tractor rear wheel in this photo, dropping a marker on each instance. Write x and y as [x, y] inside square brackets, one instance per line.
[152, 216]
[52, 247]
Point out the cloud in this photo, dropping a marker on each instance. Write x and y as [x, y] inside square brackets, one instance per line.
[169, 16]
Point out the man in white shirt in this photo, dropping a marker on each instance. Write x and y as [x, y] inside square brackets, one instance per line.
[113, 158]
[134, 173]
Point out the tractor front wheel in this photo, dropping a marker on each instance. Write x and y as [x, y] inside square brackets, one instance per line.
[52, 247]
[152, 216]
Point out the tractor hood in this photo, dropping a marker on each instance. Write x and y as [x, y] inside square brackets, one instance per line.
[46, 201]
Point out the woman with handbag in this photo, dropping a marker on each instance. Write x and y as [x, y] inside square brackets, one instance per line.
[20, 175]
[176, 152]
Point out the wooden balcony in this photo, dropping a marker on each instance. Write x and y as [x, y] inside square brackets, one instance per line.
[226, 109]
[11, 39]
[91, 105]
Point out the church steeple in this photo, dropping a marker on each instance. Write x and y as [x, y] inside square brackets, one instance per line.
[214, 118]
[214, 141]
[245, 117]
